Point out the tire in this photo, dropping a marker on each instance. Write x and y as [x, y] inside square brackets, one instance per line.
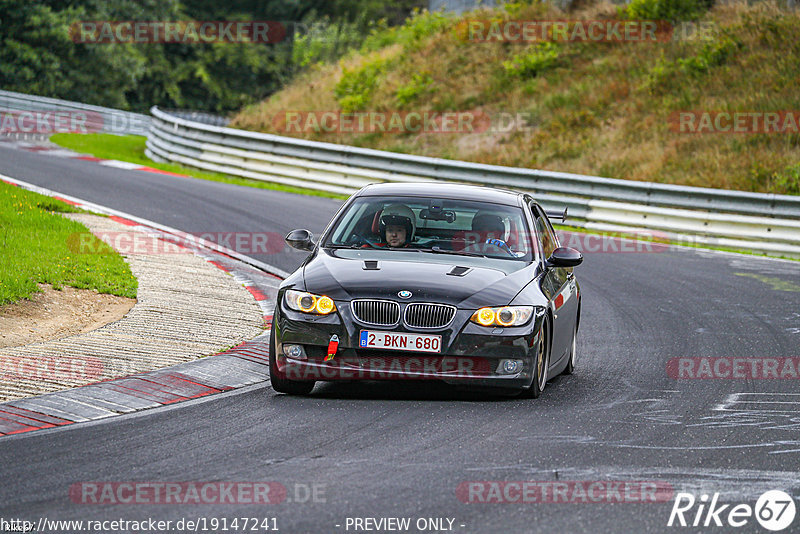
[540, 365]
[570, 368]
[280, 384]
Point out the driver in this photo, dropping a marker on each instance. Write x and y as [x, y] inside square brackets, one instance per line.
[397, 226]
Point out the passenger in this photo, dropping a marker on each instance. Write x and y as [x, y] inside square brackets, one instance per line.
[488, 226]
[488, 233]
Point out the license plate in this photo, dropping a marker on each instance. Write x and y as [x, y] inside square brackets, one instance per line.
[400, 341]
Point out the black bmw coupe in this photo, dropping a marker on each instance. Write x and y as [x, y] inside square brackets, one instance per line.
[463, 284]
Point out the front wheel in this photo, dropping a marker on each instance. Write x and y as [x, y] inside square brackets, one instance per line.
[279, 383]
[540, 366]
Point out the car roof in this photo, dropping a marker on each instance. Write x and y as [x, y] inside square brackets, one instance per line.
[443, 190]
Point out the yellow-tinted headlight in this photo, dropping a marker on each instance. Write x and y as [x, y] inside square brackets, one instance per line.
[506, 316]
[502, 316]
[484, 316]
[309, 303]
[306, 302]
[325, 305]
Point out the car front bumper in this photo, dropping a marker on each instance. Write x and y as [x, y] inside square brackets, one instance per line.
[471, 355]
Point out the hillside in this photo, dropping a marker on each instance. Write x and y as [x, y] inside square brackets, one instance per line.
[591, 107]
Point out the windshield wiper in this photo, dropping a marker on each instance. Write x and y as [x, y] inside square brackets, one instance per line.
[373, 247]
[439, 250]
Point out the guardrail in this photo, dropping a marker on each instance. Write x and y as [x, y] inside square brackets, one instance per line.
[212, 139]
[96, 118]
[199, 116]
[761, 222]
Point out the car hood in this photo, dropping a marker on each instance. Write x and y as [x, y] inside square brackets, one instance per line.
[348, 274]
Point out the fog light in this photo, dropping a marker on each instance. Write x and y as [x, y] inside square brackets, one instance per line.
[295, 352]
[509, 367]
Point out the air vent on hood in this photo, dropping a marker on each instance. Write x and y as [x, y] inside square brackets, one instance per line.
[371, 265]
[459, 271]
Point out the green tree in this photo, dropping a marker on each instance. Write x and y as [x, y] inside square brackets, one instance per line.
[38, 55]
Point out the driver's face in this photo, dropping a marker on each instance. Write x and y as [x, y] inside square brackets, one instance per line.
[395, 235]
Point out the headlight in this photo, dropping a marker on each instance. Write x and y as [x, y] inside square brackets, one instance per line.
[503, 316]
[309, 302]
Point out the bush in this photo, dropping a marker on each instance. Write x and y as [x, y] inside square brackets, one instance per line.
[713, 53]
[673, 10]
[542, 57]
[420, 25]
[419, 84]
[354, 90]
[787, 180]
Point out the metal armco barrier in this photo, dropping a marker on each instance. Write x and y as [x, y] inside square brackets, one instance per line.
[761, 222]
[98, 119]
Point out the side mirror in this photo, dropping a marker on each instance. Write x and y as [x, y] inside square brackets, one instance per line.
[300, 239]
[565, 257]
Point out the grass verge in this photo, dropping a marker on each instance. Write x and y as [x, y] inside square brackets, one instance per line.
[36, 241]
[130, 148]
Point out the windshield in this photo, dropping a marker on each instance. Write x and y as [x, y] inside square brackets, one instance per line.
[441, 226]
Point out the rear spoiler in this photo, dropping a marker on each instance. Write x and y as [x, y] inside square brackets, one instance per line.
[551, 214]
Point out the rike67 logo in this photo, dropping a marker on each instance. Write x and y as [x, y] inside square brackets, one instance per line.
[774, 510]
